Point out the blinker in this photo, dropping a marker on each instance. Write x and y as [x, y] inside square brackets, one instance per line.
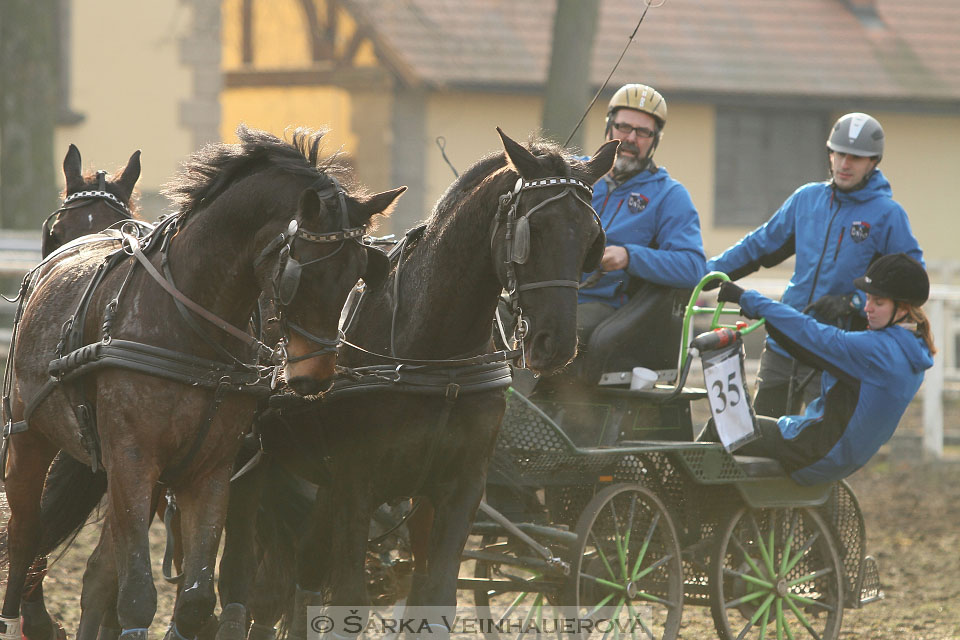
[521, 240]
[292, 228]
[289, 282]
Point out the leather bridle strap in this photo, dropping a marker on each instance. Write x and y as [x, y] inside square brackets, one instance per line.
[132, 246]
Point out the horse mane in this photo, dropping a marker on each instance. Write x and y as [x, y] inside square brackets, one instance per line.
[558, 160]
[208, 172]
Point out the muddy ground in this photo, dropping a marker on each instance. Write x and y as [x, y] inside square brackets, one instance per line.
[912, 513]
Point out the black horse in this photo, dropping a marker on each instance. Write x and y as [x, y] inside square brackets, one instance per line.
[162, 382]
[518, 220]
[91, 202]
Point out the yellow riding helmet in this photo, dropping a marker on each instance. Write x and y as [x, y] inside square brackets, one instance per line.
[639, 97]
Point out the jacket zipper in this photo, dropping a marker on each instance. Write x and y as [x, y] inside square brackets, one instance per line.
[823, 252]
[839, 244]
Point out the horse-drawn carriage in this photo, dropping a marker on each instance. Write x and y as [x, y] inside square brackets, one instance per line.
[601, 505]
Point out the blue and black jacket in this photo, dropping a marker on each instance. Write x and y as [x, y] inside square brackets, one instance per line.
[869, 378]
[834, 234]
[653, 217]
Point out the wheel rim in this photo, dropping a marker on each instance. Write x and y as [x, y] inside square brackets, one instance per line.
[777, 574]
[628, 568]
[525, 603]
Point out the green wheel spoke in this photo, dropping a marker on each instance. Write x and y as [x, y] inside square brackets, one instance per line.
[746, 556]
[634, 615]
[633, 511]
[603, 555]
[746, 629]
[618, 541]
[766, 584]
[803, 619]
[652, 598]
[778, 611]
[811, 576]
[803, 551]
[810, 601]
[606, 583]
[763, 608]
[764, 552]
[764, 619]
[785, 558]
[744, 599]
[646, 544]
[608, 598]
[653, 567]
[616, 614]
[771, 547]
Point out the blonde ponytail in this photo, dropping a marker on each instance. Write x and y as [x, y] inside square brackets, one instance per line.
[917, 315]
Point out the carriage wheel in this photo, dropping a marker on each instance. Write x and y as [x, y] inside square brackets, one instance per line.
[776, 572]
[531, 600]
[627, 566]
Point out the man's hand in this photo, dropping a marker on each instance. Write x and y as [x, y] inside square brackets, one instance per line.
[833, 309]
[614, 258]
[729, 292]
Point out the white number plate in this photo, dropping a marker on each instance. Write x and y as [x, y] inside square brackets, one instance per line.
[729, 402]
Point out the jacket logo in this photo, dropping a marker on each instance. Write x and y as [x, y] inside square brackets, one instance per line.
[859, 231]
[637, 202]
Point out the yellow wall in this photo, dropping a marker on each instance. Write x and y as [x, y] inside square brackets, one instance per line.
[277, 109]
[127, 79]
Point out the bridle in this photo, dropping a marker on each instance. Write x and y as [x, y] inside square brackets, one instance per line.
[517, 239]
[83, 199]
[286, 282]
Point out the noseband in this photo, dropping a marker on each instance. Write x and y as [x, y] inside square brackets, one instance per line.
[289, 269]
[517, 237]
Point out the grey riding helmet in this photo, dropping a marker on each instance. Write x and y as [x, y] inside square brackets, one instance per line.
[858, 134]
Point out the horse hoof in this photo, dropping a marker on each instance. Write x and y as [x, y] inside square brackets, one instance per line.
[233, 622]
[108, 633]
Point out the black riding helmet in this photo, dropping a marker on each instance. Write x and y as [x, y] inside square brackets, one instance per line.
[896, 276]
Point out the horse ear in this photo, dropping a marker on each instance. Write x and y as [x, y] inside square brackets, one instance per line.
[378, 266]
[71, 170]
[309, 206]
[381, 203]
[522, 160]
[131, 173]
[602, 161]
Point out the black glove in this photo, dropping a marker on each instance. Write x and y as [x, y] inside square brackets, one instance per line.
[730, 292]
[833, 309]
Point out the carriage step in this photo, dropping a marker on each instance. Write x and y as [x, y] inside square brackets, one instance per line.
[869, 581]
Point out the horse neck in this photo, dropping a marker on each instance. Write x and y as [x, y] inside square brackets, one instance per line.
[449, 289]
[211, 257]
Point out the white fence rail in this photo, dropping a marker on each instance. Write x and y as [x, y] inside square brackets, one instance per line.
[19, 251]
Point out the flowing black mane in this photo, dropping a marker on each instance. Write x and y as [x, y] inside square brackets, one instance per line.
[558, 159]
[209, 171]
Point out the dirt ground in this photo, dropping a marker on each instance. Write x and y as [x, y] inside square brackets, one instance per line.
[912, 513]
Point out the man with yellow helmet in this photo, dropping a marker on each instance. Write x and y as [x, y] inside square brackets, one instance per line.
[654, 248]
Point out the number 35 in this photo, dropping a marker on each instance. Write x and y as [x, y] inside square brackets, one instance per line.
[732, 388]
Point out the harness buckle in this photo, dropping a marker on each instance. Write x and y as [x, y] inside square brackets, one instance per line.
[453, 391]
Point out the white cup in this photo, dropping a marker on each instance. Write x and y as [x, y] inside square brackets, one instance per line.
[643, 378]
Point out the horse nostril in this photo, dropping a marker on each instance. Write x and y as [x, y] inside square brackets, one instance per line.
[543, 344]
[304, 385]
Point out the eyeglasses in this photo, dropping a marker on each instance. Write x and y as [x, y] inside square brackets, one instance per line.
[642, 132]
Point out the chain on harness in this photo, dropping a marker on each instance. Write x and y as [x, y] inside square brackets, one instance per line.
[517, 241]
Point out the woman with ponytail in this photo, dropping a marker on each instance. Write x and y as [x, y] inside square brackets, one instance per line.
[869, 377]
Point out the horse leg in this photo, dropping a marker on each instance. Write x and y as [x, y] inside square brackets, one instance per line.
[36, 621]
[98, 599]
[29, 457]
[238, 566]
[419, 525]
[202, 513]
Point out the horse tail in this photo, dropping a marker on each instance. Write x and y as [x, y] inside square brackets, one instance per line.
[71, 491]
[280, 521]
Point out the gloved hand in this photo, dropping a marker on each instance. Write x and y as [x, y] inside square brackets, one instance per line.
[832, 309]
[730, 292]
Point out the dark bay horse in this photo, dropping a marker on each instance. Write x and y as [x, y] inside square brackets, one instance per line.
[91, 202]
[519, 220]
[159, 395]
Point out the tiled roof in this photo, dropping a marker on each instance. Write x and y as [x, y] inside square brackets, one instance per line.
[909, 49]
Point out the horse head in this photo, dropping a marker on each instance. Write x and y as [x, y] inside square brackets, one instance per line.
[546, 235]
[91, 203]
[316, 263]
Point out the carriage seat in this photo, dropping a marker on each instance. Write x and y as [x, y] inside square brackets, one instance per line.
[757, 467]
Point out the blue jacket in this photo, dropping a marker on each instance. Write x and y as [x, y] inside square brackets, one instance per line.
[653, 217]
[835, 236]
[869, 379]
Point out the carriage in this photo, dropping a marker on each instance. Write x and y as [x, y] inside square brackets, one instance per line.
[602, 506]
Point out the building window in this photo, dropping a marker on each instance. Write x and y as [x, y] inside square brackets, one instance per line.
[762, 156]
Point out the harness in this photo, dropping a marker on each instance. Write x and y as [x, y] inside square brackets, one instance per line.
[83, 199]
[232, 375]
